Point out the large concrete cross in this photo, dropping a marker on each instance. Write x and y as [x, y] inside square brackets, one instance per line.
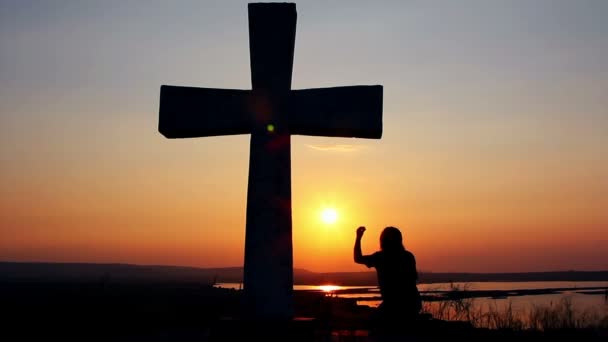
[271, 112]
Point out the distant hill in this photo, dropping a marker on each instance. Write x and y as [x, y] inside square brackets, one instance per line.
[32, 271]
[45, 271]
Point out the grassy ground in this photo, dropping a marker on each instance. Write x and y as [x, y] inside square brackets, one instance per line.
[559, 316]
[46, 310]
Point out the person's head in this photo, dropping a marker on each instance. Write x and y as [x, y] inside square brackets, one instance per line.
[391, 239]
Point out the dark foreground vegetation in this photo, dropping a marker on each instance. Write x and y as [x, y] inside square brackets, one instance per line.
[107, 310]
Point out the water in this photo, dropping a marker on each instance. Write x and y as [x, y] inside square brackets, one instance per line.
[508, 286]
[582, 301]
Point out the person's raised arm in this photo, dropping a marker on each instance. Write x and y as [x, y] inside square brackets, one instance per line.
[357, 252]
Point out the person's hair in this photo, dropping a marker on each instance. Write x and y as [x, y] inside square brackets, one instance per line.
[391, 240]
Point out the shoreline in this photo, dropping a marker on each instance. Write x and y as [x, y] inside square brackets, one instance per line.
[457, 294]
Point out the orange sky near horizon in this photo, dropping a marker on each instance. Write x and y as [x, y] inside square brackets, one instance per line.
[494, 156]
[171, 215]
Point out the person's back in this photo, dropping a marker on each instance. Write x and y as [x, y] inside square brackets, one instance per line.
[397, 278]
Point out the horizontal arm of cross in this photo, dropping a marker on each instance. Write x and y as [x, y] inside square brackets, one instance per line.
[188, 112]
[350, 112]
[354, 111]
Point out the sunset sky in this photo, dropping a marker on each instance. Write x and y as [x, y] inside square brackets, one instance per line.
[494, 156]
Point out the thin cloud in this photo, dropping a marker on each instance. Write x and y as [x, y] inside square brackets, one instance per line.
[335, 147]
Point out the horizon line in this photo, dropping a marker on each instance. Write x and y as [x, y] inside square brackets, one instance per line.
[295, 268]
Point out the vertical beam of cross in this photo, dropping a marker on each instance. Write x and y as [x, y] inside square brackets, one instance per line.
[268, 271]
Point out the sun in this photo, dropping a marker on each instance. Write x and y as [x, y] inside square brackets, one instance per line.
[329, 215]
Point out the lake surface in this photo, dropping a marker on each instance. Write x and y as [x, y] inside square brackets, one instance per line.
[577, 293]
[502, 286]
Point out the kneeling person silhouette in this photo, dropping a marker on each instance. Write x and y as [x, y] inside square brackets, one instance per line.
[397, 278]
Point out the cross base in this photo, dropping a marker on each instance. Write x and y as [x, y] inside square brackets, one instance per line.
[240, 329]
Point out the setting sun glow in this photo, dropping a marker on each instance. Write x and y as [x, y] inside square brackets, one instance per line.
[329, 215]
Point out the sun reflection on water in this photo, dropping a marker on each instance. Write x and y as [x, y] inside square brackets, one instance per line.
[329, 288]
